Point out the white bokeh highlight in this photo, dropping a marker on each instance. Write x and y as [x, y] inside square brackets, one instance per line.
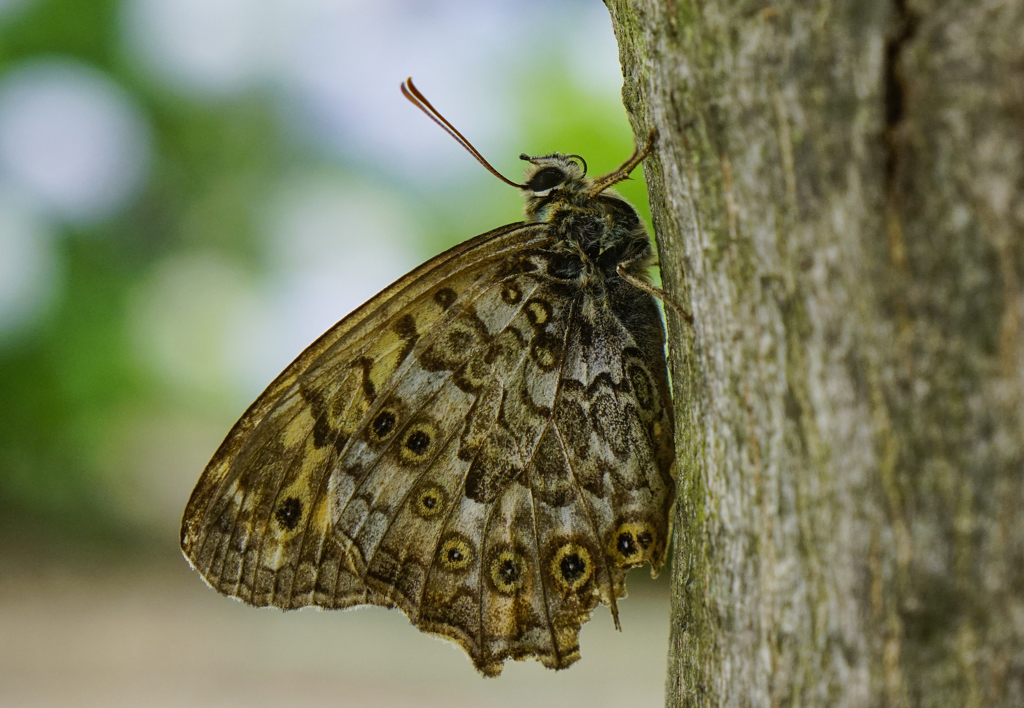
[331, 244]
[203, 320]
[335, 66]
[212, 47]
[71, 139]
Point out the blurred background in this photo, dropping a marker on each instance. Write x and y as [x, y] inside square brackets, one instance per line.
[191, 191]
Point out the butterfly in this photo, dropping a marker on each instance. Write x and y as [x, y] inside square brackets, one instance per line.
[486, 444]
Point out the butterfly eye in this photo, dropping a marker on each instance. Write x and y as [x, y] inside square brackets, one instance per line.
[571, 566]
[508, 572]
[632, 543]
[429, 501]
[456, 553]
[546, 179]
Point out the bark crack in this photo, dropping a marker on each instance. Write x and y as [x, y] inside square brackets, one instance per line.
[895, 90]
[896, 98]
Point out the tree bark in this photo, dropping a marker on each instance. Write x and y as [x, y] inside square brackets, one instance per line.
[837, 195]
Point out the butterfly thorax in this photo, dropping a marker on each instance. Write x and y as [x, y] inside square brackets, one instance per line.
[595, 232]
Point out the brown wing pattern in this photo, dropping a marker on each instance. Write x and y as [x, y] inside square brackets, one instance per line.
[240, 525]
[594, 500]
[481, 446]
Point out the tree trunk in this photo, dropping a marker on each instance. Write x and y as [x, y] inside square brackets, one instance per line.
[837, 194]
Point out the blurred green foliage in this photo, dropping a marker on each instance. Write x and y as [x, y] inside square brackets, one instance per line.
[67, 383]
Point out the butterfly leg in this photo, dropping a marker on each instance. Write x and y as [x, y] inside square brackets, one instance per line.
[605, 181]
[621, 269]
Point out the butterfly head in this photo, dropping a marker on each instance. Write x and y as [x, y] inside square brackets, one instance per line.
[595, 228]
[548, 174]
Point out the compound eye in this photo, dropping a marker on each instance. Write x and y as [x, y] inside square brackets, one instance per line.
[546, 179]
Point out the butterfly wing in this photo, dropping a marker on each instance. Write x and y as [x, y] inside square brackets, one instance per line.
[589, 413]
[471, 446]
[258, 525]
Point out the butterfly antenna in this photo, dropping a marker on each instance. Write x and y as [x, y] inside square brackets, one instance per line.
[410, 91]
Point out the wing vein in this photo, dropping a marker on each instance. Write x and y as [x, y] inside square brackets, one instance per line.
[442, 448]
[586, 503]
[540, 557]
[425, 403]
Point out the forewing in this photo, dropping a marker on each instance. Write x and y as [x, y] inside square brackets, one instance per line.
[260, 523]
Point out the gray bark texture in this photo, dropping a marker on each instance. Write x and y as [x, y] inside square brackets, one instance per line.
[837, 195]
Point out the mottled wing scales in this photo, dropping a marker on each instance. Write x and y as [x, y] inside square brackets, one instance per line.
[400, 561]
[600, 478]
[482, 446]
[514, 620]
[615, 419]
[570, 564]
[474, 409]
[420, 411]
[261, 504]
